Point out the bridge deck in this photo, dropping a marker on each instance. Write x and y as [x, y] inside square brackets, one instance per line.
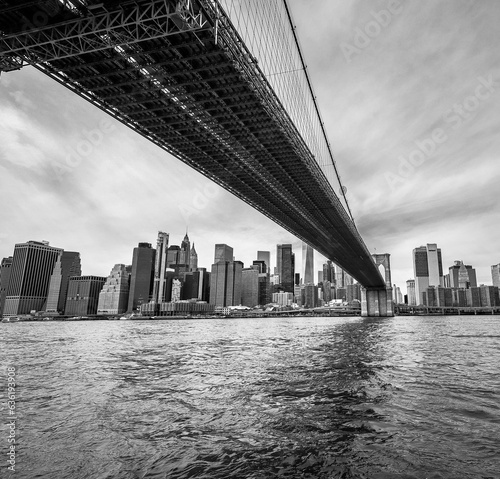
[199, 95]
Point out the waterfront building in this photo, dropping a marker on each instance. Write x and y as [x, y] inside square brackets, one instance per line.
[428, 269]
[5, 269]
[341, 294]
[410, 291]
[250, 287]
[32, 266]
[286, 266]
[113, 298]
[489, 296]
[83, 295]
[495, 275]
[160, 267]
[176, 290]
[142, 276]
[283, 298]
[444, 296]
[473, 297]
[68, 264]
[462, 276]
[459, 297]
[327, 290]
[223, 253]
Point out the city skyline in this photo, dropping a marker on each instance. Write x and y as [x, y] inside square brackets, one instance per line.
[104, 200]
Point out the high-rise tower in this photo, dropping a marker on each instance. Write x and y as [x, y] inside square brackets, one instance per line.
[142, 277]
[286, 266]
[67, 265]
[307, 264]
[193, 259]
[428, 268]
[160, 267]
[32, 265]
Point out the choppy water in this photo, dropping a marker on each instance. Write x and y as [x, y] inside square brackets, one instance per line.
[260, 398]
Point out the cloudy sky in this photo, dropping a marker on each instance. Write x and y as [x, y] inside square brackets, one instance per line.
[410, 95]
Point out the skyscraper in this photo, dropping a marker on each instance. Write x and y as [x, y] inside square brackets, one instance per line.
[428, 269]
[329, 272]
[266, 257]
[160, 267]
[223, 252]
[495, 275]
[307, 264]
[83, 295]
[113, 298]
[5, 269]
[142, 277]
[225, 278]
[32, 265]
[462, 276]
[193, 260]
[249, 287]
[185, 255]
[286, 266]
[410, 291]
[67, 265]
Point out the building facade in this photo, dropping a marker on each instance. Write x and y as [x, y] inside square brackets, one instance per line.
[250, 287]
[286, 266]
[113, 298]
[32, 266]
[142, 276]
[160, 267]
[307, 264]
[68, 264]
[5, 269]
[428, 269]
[495, 275]
[83, 295]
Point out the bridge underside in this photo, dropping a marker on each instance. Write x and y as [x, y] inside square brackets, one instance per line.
[186, 81]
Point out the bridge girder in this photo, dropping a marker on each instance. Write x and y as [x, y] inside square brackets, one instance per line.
[118, 56]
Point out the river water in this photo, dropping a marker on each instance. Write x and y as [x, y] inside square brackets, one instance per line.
[405, 397]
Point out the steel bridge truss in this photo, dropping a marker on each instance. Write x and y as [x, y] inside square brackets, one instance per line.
[178, 73]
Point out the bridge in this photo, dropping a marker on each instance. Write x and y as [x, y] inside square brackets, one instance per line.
[192, 77]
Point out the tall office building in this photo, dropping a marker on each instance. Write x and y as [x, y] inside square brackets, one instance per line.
[83, 295]
[226, 283]
[410, 291]
[160, 267]
[495, 275]
[193, 259]
[223, 252]
[428, 269]
[307, 264]
[329, 272]
[113, 298]
[342, 278]
[185, 255]
[260, 266]
[250, 287]
[142, 277]
[32, 266]
[461, 276]
[5, 269]
[68, 264]
[286, 266]
[266, 257]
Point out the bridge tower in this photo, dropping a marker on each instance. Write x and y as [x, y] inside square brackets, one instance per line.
[378, 301]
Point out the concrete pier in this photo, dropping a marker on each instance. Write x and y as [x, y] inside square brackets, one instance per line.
[377, 302]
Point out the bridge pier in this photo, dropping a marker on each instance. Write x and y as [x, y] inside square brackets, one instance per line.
[377, 302]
